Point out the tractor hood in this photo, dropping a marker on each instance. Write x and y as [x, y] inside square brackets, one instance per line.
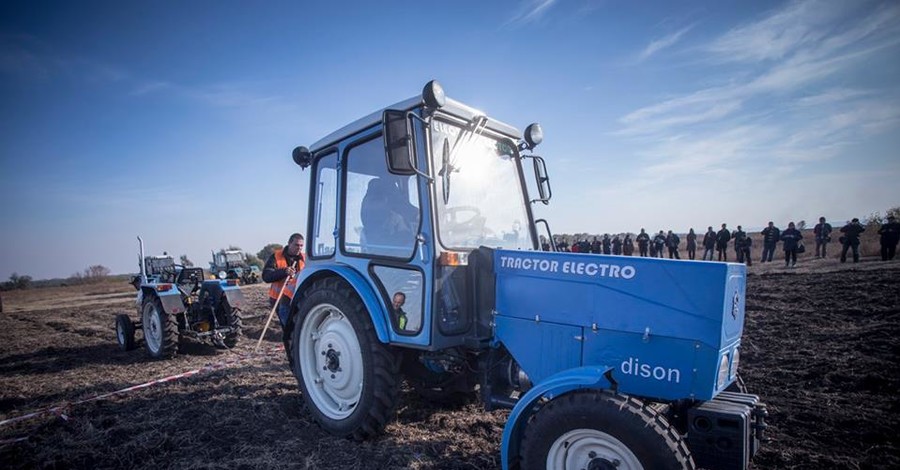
[633, 314]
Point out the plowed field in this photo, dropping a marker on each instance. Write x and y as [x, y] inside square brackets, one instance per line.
[821, 347]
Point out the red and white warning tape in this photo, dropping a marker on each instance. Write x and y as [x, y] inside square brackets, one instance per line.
[61, 409]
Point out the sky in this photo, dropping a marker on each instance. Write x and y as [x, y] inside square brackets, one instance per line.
[175, 121]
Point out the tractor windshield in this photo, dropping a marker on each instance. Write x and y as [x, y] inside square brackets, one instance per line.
[479, 194]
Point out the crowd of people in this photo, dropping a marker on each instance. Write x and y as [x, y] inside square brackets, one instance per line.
[715, 244]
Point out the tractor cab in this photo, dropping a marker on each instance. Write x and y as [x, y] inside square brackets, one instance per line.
[402, 196]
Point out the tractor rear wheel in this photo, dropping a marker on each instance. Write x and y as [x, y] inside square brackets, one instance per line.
[349, 379]
[601, 430]
[124, 332]
[235, 321]
[160, 329]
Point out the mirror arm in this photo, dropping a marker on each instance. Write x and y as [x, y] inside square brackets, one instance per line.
[549, 233]
[412, 164]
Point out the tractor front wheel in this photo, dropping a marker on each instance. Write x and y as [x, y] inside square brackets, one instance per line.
[160, 330]
[601, 430]
[124, 332]
[349, 379]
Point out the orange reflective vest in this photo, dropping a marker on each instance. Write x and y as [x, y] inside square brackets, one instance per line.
[275, 288]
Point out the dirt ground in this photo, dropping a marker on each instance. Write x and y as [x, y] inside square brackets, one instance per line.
[820, 346]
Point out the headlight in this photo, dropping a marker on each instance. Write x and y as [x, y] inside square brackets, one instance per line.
[534, 135]
[723, 372]
[736, 359]
[222, 275]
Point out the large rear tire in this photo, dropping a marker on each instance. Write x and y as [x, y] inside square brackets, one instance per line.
[160, 330]
[349, 379]
[601, 430]
[235, 321]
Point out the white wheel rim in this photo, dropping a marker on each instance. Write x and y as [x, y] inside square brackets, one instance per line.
[120, 333]
[578, 447]
[152, 328]
[331, 362]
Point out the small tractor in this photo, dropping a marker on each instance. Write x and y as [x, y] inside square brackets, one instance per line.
[423, 265]
[174, 301]
[232, 264]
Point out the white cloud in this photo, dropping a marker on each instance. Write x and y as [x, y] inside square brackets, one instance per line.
[663, 42]
[530, 11]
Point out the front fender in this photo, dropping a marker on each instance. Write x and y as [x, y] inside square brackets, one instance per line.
[555, 385]
[370, 298]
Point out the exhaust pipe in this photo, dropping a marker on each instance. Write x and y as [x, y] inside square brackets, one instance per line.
[141, 260]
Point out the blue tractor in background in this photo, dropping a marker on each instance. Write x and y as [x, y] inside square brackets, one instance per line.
[423, 265]
[174, 302]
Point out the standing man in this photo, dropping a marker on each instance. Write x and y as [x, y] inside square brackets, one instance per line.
[850, 239]
[791, 238]
[628, 245]
[616, 245]
[738, 236]
[771, 235]
[746, 247]
[691, 243]
[595, 246]
[659, 243]
[890, 236]
[722, 238]
[607, 248]
[281, 270]
[643, 242]
[822, 231]
[672, 242]
[709, 244]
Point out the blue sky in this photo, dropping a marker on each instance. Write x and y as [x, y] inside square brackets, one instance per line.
[175, 120]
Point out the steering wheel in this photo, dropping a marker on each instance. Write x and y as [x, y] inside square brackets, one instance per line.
[472, 225]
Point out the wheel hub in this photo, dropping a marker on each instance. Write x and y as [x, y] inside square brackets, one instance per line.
[591, 449]
[332, 360]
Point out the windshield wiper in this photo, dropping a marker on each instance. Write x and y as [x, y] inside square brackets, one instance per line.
[450, 156]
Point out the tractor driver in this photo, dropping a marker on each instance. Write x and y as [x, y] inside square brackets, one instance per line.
[397, 304]
[283, 266]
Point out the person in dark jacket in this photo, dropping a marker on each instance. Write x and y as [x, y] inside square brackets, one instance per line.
[616, 245]
[709, 244]
[691, 243]
[595, 246]
[746, 248]
[659, 243]
[722, 238]
[672, 242]
[822, 230]
[738, 237]
[628, 245]
[890, 236]
[771, 235]
[850, 239]
[607, 249]
[791, 238]
[643, 240]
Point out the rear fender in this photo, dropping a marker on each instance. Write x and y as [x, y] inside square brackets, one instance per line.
[591, 377]
[232, 292]
[369, 297]
[170, 299]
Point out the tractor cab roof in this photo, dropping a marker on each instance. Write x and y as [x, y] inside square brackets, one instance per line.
[452, 107]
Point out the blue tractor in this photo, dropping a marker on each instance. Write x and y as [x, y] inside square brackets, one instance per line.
[423, 265]
[174, 302]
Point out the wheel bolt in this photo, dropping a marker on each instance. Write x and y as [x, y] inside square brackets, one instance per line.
[332, 376]
[592, 454]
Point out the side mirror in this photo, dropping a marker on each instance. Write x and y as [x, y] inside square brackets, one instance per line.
[542, 179]
[398, 143]
[302, 156]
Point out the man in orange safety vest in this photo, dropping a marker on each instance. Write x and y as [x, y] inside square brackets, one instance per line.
[281, 271]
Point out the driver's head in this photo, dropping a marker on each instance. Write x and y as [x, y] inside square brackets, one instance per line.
[295, 244]
[398, 300]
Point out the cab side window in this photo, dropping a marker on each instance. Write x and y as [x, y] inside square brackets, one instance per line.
[381, 209]
[325, 206]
